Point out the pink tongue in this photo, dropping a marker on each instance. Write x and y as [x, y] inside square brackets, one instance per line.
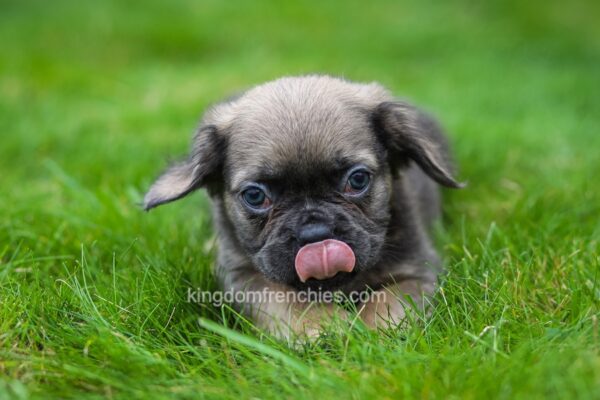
[324, 259]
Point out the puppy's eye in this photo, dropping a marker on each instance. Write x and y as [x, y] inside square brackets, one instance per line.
[255, 197]
[358, 182]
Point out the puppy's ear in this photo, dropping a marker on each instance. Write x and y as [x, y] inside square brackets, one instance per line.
[200, 169]
[409, 133]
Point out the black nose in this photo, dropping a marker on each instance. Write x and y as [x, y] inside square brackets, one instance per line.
[314, 232]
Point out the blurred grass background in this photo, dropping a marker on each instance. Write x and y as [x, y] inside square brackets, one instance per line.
[96, 98]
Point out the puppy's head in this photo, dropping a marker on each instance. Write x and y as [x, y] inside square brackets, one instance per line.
[304, 168]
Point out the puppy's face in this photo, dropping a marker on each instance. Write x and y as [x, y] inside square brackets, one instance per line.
[306, 174]
[303, 167]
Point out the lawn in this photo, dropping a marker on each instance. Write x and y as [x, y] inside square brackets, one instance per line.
[97, 97]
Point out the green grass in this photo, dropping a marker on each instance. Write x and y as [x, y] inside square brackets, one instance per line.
[96, 97]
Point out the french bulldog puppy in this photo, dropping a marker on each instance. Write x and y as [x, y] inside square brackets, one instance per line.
[322, 184]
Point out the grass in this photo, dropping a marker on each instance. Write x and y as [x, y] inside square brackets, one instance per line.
[94, 97]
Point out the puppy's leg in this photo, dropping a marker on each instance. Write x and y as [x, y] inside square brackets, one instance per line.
[389, 306]
[277, 308]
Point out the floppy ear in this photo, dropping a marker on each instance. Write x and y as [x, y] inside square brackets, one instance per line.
[408, 132]
[201, 168]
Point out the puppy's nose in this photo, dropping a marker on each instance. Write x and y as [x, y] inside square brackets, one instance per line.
[314, 232]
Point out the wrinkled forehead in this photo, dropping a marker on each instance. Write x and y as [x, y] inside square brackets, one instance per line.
[302, 142]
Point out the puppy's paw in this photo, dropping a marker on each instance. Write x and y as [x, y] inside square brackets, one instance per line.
[317, 319]
[390, 306]
[384, 309]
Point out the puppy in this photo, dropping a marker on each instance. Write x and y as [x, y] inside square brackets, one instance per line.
[318, 184]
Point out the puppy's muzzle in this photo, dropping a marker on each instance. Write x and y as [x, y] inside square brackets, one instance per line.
[314, 232]
[321, 256]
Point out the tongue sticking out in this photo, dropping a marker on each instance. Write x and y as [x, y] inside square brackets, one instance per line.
[324, 259]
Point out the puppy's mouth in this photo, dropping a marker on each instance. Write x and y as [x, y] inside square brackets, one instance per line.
[324, 260]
